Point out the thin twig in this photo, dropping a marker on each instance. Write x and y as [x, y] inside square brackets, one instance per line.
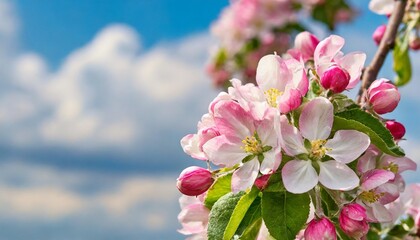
[371, 72]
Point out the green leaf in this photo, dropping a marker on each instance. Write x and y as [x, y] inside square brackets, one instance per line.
[284, 213]
[275, 183]
[328, 204]
[252, 231]
[220, 215]
[402, 63]
[252, 215]
[219, 188]
[356, 119]
[239, 212]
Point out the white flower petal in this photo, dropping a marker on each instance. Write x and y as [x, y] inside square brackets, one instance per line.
[299, 176]
[244, 177]
[383, 7]
[337, 176]
[316, 119]
[271, 162]
[272, 72]
[222, 152]
[291, 140]
[347, 145]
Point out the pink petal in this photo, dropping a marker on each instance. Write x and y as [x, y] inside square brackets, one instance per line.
[390, 190]
[291, 140]
[299, 79]
[367, 161]
[193, 218]
[353, 63]
[347, 145]
[190, 145]
[380, 213]
[375, 178]
[244, 177]
[222, 152]
[272, 72]
[233, 121]
[299, 176]
[326, 50]
[337, 176]
[290, 100]
[316, 119]
[271, 162]
[404, 163]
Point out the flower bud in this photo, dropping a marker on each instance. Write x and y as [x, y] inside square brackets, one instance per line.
[262, 181]
[383, 96]
[414, 42]
[378, 34]
[194, 181]
[306, 43]
[320, 229]
[397, 129]
[353, 220]
[335, 78]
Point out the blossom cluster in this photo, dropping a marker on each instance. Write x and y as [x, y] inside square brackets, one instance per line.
[249, 29]
[295, 132]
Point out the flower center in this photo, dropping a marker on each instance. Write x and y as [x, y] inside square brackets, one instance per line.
[370, 196]
[271, 95]
[392, 167]
[252, 145]
[318, 150]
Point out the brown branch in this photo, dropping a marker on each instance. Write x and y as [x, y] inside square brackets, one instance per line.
[371, 72]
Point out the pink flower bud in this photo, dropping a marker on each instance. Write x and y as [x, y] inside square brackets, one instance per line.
[397, 129]
[320, 229]
[353, 220]
[194, 181]
[378, 34]
[335, 78]
[383, 96]
[262, 181]
[306, 43]
[414, 42]
[418, 5]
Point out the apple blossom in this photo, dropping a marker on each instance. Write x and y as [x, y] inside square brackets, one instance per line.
[305, 44]
[194, 217]
[335, 79]
[378, 34]
[315, 125]
[397, 129]
[321, 228]
[353, 220]
[327, 53]
[194, 181]
[383, 96]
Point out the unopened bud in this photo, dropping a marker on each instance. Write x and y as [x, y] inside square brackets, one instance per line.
[306, 43]
[194, 181]
[397, 129]
[335, 78]
[414, 42]
[320, 229]
[262, 181]
[378, 34]
[353, 220]
[383, 96]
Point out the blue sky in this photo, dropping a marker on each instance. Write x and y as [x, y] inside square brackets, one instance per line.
[94, 98]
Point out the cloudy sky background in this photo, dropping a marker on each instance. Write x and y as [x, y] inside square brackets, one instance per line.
[94, 98]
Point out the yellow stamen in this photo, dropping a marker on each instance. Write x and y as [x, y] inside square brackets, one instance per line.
[370, 196]
[318, 150]
[392, 167]
[252, 145]
[271, 95]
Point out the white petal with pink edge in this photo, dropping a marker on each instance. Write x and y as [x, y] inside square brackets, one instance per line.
[316, 119]
[291, 140]
[353, 63]
[326, 50]
[299, 176]
[190, 145]
[337, 176]
[222, 152]
[375, 178]
[244, 177]
[271, 162]
[272, 72]
[347, 145]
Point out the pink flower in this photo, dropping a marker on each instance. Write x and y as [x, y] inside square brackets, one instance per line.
[335, 78]
[318, 229]
[378, 34]
[194, 181]
[194, 217]
[397, 129]
[305, 43]
[353, 220]
[244, 140]
[383, 96]
[414, 42]
[284, 82]
[315, 125]
[327, 53]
